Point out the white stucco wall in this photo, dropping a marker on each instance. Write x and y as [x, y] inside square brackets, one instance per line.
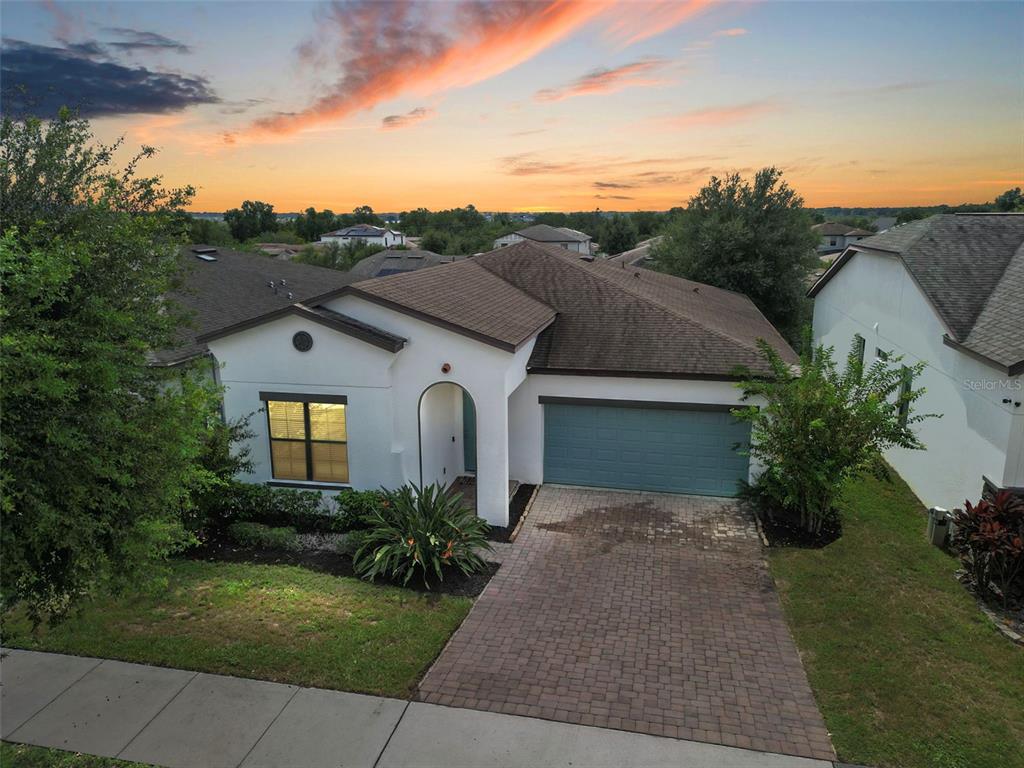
[526, 414]
[875, 296]
[501, 242]
[388, 239]
[487, 373]
[384, 391]
[263, 359]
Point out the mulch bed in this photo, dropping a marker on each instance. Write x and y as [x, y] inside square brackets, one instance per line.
[335, 564]
[516, 508]
[782, 533]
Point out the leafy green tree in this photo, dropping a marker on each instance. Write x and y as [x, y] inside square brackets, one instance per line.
[98, 449]
[1010, 200]
[618, 234]
[434, 241]
[364, 215]
[209, 232]
[814, 428]
[754, 238]
[251, 219]
[310, 224]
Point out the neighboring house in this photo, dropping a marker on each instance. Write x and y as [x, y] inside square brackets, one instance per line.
[835, 237]
[386, 263]
[883, 224]
[283, 251]
[364, 234]
[947, 291]
[563, 237]
[640, 256]
[522, 364]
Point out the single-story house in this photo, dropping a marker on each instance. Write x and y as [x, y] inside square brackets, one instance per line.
[948, 291]
[522, 364]
[835, 237]
[563, 237]
[364, 234]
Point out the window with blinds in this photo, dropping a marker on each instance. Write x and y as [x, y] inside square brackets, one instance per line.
[308, 440]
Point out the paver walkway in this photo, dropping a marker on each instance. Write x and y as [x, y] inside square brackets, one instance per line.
[185, 719]
[652, 613]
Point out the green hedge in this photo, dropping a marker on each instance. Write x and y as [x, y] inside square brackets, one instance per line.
[303, 511]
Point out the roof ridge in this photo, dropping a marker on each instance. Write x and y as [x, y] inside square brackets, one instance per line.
[646, 299]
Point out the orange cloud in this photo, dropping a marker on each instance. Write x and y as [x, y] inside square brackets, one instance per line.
[718, 115]
[598, 81]
[638, 21]
[406, 47]
[732, 32]
[413, 116]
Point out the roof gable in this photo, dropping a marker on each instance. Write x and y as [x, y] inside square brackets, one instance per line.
[971, 269]
[337, 321]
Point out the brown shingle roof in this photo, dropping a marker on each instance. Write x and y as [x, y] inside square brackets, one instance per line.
[612, 321]
[464, 297]
[234, 288]
[544, 233]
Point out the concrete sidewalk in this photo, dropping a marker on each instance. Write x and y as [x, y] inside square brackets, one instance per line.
[174, 718]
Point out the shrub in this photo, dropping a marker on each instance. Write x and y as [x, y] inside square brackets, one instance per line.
[259, 535]
[305, 511]
[421, 532]
[820, 428]
[989, 538]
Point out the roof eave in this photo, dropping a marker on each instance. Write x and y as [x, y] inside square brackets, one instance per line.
[303, 311]
[1013, 369]
[627, 374]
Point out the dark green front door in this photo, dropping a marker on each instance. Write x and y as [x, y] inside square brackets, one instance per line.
[468, 432]
[654, 449]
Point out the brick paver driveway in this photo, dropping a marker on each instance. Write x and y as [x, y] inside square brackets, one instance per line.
[646, 612]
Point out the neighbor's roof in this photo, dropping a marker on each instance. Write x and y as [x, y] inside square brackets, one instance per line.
[971, 269]
[832, 228]
[391, 262]
[235, 288]
[636, 257]
[592, 318]
[544, 233]
[359, 230]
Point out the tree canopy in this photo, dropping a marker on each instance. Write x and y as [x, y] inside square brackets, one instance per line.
[751, 237]
[98, 447]
[251, 219]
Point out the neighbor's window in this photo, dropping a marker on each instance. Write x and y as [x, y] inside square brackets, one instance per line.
[907, 381]
[308, 440]
[858, 349]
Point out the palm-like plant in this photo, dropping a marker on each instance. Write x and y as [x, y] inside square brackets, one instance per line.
[421, 531]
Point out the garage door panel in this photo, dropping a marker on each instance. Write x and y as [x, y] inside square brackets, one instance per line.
[660, 449]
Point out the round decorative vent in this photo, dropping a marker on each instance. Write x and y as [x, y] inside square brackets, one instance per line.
[302, 341]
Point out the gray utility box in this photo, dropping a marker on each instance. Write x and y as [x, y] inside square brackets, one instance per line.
[938, 526]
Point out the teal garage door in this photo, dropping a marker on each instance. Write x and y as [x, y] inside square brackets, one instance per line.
[662, 448]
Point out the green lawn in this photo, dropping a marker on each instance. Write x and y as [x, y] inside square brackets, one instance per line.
[23, 756]
[905, 668]
[272, 622]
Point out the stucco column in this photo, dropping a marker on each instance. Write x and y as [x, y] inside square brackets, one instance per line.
[492, 456]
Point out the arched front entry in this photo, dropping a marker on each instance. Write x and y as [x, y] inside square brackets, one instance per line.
[447, 431]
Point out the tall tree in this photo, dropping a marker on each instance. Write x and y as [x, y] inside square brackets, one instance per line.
[754, 238]
[251, 219]
[98, 449]
[618, 234]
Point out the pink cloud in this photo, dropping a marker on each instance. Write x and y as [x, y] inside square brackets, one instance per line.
[732, 32]
[718, 116]
[637, 74]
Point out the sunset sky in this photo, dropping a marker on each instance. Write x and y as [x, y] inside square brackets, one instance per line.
[562, 105]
